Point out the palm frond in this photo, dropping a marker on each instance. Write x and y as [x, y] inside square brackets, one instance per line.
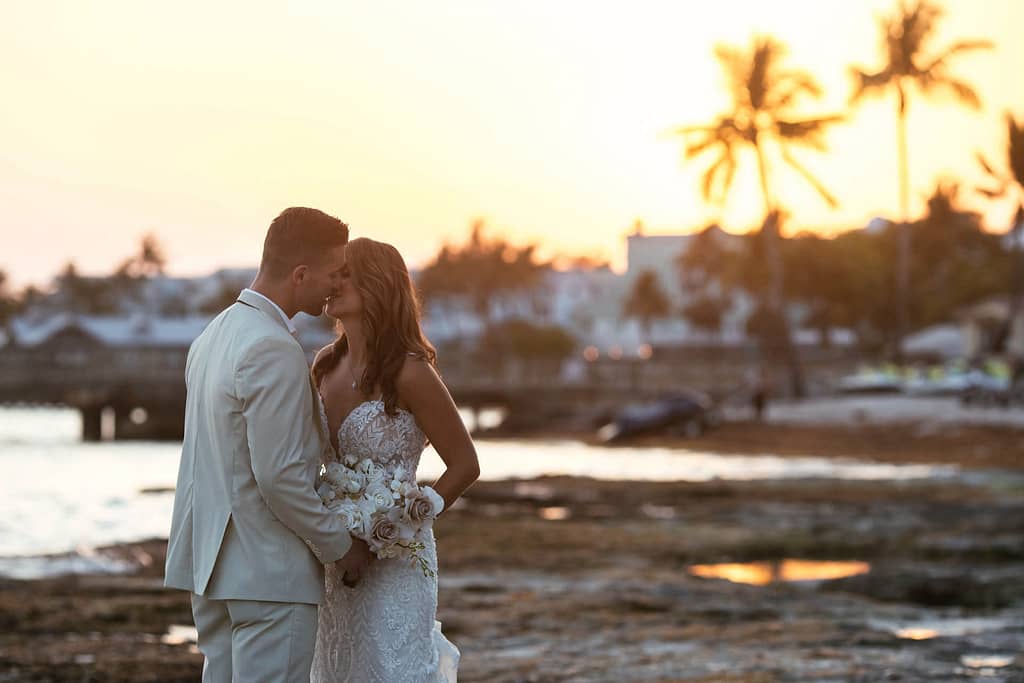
[914, 26]
[734, 64]
[1015, 148]
[963, 92]
[806, 132]
[689, 130]
[809, 177]
[789, 86]
[695, 148]
[867, 83]
[959, 47]
[708, 180]
[764, 58]
[730, 173]
[991, 193]
[989, 169]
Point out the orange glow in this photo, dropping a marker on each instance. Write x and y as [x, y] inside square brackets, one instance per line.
[764, 573]
[917, 633]
[802, 570]
[753, 573]
[554, 513]
[551, 119]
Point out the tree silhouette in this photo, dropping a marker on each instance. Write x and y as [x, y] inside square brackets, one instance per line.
[646, 302]
[907, 35]
[149, 261]
[763, 117]
[706, 312]
[81, 294]
[484, 272]
[955, 263]
[1009, 183]
[8, 301]
[707, 275]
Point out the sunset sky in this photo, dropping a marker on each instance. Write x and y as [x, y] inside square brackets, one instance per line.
[199, 121]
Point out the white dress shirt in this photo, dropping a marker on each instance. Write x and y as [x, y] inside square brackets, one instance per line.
[287, 320]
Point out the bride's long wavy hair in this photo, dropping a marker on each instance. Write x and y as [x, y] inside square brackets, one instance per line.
[391, 320]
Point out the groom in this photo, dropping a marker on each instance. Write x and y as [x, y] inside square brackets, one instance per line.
[249, 532]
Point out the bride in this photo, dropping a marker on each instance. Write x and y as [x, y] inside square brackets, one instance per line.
[381, 398]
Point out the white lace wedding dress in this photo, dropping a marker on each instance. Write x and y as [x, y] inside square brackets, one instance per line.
[384, 630]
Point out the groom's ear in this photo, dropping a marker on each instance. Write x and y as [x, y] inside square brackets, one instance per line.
[299, 274]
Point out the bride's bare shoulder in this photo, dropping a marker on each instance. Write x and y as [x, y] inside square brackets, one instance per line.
[418, 378]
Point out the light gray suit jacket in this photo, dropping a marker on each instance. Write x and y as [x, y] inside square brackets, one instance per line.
[245, 508]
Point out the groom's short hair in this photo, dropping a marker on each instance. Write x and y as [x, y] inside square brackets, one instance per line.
[300, 235]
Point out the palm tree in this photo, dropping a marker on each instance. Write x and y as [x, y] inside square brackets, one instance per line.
[8, 302]
[763, 118]
[1010, 183]
[646, 302]
[485, 272]
[906, 36]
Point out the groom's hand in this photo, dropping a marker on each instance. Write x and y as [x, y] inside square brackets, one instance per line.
[356, 561]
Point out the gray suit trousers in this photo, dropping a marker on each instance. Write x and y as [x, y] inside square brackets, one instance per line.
[252, 641]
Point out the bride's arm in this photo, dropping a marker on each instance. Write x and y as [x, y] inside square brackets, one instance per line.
[422, 392]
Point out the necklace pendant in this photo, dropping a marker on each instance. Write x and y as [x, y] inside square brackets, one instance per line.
[355, 384]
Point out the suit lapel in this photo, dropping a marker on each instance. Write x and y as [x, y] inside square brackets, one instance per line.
[315, 395]
[257, 302]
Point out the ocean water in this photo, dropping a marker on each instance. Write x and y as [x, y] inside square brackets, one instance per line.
[59, 495]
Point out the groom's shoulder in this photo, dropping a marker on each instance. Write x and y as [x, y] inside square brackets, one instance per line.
[240, 330]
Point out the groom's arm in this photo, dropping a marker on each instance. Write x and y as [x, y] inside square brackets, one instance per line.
[273, 386]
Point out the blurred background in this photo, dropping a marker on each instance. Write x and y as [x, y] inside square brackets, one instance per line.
[731, 296]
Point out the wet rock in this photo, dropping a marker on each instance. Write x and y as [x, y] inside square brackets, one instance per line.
[934, 587]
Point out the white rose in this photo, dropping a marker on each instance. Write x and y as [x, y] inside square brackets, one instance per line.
[384, 532]
[352, 516]
[380, 495]
[418, 508]
[334, 472]
[398, 478]
[366, 509]
[435, 499]
[406, 529]
[352, 482]
[370, 470]
[326, 492]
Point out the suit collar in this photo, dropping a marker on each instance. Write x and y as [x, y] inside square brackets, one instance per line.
[272, 310]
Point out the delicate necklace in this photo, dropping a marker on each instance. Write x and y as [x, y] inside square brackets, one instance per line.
[355, 384]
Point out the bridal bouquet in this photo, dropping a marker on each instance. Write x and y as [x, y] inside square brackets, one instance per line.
[388, 511]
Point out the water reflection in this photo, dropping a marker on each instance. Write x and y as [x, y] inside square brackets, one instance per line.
[948, 627]
[554, 513]
[181, 635]
[60, 494]
[986, 661]
[917, 633]
[765, 573]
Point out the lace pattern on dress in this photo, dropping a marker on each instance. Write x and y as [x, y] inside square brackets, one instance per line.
[384, 630]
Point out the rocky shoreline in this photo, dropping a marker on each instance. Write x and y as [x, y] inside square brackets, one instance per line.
[572, 579]
[971, 446]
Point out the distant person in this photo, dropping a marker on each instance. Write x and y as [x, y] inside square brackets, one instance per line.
[759, 389]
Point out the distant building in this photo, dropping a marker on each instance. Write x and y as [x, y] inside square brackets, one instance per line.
[588, 303]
